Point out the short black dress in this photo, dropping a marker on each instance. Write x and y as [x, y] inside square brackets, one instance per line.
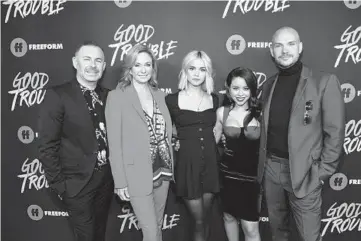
[196, 168]
[240, 189]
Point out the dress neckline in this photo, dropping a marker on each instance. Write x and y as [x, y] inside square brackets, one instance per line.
[194, 110]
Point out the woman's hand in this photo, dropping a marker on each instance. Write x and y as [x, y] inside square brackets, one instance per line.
[122, 193]
[175, 143]
[223, 139]
[218, 127]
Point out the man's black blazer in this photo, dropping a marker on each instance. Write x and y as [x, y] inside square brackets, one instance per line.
[67, 142]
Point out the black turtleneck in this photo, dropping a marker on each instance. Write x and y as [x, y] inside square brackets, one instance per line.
[280, 109]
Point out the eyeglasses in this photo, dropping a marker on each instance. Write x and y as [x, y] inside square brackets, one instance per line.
[306, 117]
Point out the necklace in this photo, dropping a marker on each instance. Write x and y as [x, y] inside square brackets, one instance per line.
[200, 102]
[192, 96]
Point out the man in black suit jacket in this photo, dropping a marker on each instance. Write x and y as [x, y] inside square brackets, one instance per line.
[73, 145]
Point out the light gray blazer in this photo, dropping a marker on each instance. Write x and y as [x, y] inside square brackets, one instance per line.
[128, 138]
[314, 149]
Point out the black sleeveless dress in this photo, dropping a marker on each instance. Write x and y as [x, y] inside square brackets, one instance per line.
[196, 168]
[240, 190]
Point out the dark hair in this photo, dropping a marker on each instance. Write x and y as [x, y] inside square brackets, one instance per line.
[251, 81]
[87, 43]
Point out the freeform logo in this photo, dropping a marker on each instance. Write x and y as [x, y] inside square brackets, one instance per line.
[259, 45]
[246, 6]
[235, 44]
[24, 8]
[19, 47]
[130, 221]
[338, 181]
[50, 46]
[349, 92]
[26, 134]
[140, 34]
[352, 137]
[56, 213]
[36, 213]
[122, 3]
[354, 182]
[352, 4]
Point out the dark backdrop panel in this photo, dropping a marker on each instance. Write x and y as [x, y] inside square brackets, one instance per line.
[330, 31]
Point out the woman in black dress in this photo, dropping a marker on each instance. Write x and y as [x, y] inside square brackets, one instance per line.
[238, 122]
[193, 111]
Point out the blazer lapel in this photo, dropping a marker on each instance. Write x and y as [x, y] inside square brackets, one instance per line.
[134, 99]
[267, 99]
[159, 99]
[301, 87]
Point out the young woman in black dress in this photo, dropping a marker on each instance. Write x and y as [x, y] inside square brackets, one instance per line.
[193, 111]
[238, 122]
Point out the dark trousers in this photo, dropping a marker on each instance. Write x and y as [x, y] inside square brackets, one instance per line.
[281, 202]
[88, 210]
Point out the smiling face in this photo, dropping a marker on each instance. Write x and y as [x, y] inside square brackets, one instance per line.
[286, 47]
[142, 69]
[239, 91]
[89, 63]
[196, 72]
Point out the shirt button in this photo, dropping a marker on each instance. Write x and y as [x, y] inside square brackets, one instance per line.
[200, 129]
[201, 139]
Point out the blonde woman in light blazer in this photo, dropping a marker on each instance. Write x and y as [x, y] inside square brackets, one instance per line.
[139, 132]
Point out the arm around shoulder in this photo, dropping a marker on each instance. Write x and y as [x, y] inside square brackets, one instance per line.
[218, 128]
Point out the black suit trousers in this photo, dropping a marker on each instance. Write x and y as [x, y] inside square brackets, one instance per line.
[88, 210]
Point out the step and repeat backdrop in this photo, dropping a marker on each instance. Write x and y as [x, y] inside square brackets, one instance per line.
[38, 40]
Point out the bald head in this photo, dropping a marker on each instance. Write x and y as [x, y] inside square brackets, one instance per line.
[285, 31]
[286, 47]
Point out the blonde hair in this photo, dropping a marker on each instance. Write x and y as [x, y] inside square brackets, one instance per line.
[208, 84]
[129, 61]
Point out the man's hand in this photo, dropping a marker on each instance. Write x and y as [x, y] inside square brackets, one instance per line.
[122, 193]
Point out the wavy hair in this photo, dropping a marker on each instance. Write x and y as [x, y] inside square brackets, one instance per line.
[250, 78]
[129, 61]
[208, 84]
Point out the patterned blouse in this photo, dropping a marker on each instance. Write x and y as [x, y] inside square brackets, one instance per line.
[159, 147]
